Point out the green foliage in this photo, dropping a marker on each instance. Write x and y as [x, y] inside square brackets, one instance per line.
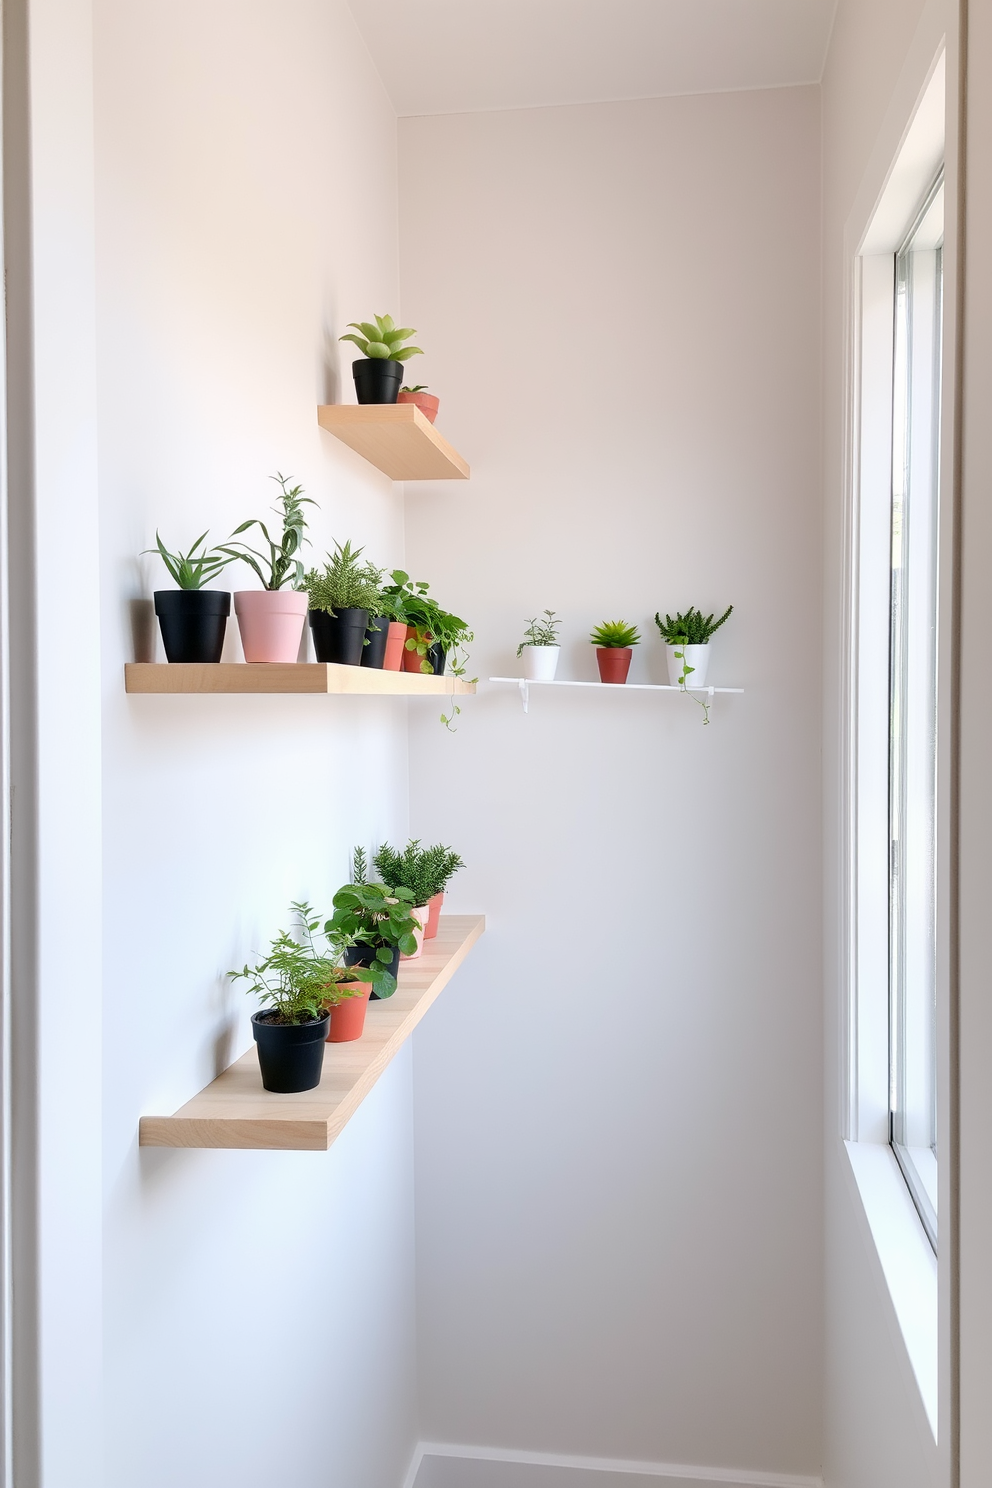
[383, 340]
[380, 917]
[359, 866]
[294, 980]
[282, 564]
[345, 583]
[692, 629]
[540, 632]
[440, 864]
[615, 633]
[410, 602]
[397, 598]
[406, 870]
[419, 387]
[192, 570]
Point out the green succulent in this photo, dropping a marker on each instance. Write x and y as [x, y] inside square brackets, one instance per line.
[615, 633]
[383, 341]
[345, 584]
[691, 629]
[420, 387]
[193, 570]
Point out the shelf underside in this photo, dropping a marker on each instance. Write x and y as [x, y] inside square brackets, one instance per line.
[234, 1110]
[396, 438]
[285, 677]
[610, 686]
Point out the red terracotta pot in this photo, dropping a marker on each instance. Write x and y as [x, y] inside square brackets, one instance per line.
[348, 1017]
[395, 637]
[411, 659]
[426, 402]
[434, 914]
[614, 662]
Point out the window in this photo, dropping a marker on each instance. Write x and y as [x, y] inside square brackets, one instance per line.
[912, 696]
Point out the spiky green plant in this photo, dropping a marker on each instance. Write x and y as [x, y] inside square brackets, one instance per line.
[407, 869]
[359, 865]
[192, 570]
[282, 565]
[440, 864]
[692, 629]
[345, 583]
[383, 340]
[541, 632]
[615, 633]
[419, 387]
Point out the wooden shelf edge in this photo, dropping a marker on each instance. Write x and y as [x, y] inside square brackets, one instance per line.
[396, 438]
[311, 1121]
[320, 678]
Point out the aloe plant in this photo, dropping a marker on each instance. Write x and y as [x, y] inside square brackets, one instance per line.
[615, 633]
[192, 570]
[383, 341]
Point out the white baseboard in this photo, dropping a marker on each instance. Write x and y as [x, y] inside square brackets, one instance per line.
[578, 1468]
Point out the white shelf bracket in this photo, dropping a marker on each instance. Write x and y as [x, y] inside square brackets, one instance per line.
[524, 694]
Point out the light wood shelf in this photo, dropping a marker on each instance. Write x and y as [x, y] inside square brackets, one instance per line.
[396, 438]
[285, 677]
[235, 1111]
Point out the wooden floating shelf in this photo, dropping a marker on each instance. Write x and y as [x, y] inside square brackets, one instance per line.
[234, 1110]
[396, 438]
[285, 677]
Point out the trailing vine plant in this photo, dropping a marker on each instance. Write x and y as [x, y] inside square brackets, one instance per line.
[690, 629]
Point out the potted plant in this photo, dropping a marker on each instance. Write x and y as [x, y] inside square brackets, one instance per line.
[688, 640]
[341, 600]
[540, 649]
[379, 373]
[614, 640]
[379, 923]
[425, 401]
[442, 863]
[346, 994]
[409, 870]
[193, 619]
[271, 618]
[294, 984]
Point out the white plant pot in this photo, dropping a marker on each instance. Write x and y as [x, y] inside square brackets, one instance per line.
[697, 657]
[540, 662]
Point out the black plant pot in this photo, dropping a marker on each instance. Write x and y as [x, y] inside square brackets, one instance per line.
[339, 637]
[374, 653]
[290, 1055]
[193, 622]
[377, 380]
[437, 656]
[362, 954]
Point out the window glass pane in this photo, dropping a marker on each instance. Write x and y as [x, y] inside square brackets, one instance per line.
[913, 709]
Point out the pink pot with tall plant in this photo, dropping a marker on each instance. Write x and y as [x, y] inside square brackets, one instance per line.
[271, 623]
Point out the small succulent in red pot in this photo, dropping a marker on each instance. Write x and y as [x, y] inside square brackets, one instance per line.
[425, 401]
[614, 641]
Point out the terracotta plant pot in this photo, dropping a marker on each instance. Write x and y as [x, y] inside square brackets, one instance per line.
[421, 913]
[271, 623]
[411, 659]
[395, 639]
[433, 914]
[348, 1017]
[614, 662]
[426, 402]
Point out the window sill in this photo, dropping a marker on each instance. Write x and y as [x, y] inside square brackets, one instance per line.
[906, 1257]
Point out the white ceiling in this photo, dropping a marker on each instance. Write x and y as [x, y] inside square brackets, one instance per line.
[450, 56]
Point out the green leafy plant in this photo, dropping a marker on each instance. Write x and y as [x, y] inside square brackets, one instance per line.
[440, 865]
[407, 869]
[691, 629]
[541, 632]
[380, 917]
[383, 340]
[295, 981]
[359, 866]
[420, 387]
[615, 633]
[345, 583]
[409, 602]
[282, 564]
[192, 570]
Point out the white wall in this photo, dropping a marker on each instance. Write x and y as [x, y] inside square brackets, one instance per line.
[258, 1306]
[619, 1236]
[876, 1433]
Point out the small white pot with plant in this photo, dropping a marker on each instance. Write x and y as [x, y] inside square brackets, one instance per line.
[687, 638]
[539, 650]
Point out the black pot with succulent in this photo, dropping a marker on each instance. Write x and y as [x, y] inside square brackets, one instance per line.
[296, 984]
[342, 599]
[379, 373]
[193, 619]
[379, 923]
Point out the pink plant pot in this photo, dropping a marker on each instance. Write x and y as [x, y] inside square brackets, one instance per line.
[271, 623]
[395, 640]
[426, 402]
[419, 912]
[348, 1017]
[433, 915]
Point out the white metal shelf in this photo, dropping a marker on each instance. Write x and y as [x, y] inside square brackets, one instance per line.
[526, 683]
